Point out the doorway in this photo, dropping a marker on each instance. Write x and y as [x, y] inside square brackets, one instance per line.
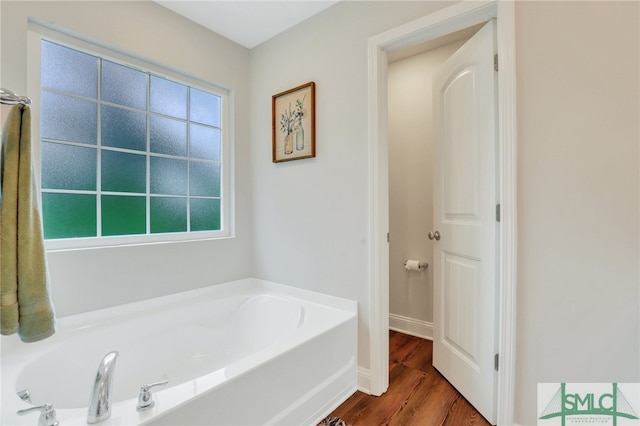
[410, 78]
[446, 21]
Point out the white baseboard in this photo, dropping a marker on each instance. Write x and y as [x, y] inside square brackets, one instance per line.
[411, 326]
[364, 380]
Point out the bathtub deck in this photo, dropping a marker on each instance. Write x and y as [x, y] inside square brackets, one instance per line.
[223, 348]
[418, 395]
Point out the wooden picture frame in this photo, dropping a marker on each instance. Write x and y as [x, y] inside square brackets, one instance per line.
[293, 122]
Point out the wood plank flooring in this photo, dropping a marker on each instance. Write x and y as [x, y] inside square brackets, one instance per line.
[418, 394]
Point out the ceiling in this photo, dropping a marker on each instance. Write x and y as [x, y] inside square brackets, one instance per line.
[248, 23]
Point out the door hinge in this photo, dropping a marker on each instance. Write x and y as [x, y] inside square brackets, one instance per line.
[387, 237]
[495, 62]
[496, 361]
[497, 212]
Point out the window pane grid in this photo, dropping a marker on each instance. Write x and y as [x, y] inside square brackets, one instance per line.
[100, 155]
[188, 162]
[163, 216]
[69, 191]
[147, 196]
[69, 143]
[103, 102]
[55, 91]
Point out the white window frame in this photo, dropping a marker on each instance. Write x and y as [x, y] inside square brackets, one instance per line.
[39, 31]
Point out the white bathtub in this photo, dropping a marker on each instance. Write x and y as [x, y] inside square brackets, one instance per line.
[248, 352]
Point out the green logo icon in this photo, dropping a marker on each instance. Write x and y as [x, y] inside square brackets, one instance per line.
[590, 404]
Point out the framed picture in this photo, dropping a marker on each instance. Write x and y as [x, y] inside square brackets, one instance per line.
[294, 123]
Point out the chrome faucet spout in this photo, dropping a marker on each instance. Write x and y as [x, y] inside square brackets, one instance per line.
[100, 400]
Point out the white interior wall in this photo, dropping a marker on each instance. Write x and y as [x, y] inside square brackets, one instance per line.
[85, 280]
[410, 188]
[578, 68]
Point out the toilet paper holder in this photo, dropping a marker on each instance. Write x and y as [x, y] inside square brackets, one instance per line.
[421, 265]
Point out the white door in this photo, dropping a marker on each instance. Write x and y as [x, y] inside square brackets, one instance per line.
[465, 198]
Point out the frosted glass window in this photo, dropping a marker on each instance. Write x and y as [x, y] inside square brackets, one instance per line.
[204, 107]
[69, 215]
[204, 179]
[124, 85]
[168, 98]
[126, 152]
[123, 215]
[123, 172]
[168, 176]
[168, 136]
[168, 214]
[69, 70]
[68, 167]
[205, 214]
[204, 142]
[69, 119]
[124, 128]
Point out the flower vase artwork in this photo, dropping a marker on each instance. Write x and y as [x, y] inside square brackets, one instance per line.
[291, 123]
[288, 144]
[300, 114]
[299, 138]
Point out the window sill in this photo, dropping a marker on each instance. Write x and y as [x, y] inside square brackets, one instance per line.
[89, 243]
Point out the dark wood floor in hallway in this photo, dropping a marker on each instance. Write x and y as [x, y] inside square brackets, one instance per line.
[418, 394]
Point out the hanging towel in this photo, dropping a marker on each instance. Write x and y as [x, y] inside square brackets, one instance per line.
[25, 304]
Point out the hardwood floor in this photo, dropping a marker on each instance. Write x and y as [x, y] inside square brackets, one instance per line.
[418, 395]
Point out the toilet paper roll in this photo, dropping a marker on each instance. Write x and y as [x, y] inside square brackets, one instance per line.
[412, 265]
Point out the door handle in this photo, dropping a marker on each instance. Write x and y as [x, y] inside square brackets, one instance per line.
[434, 235]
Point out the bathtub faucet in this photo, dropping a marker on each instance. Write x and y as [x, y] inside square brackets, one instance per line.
[47, 415]
[100, 400]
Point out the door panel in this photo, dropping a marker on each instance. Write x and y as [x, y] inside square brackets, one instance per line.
[460, 301]
[460, 145]
[465, 195]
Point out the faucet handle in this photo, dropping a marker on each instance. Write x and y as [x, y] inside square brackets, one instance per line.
[47, 414]
[145, 399]
[25, 395]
